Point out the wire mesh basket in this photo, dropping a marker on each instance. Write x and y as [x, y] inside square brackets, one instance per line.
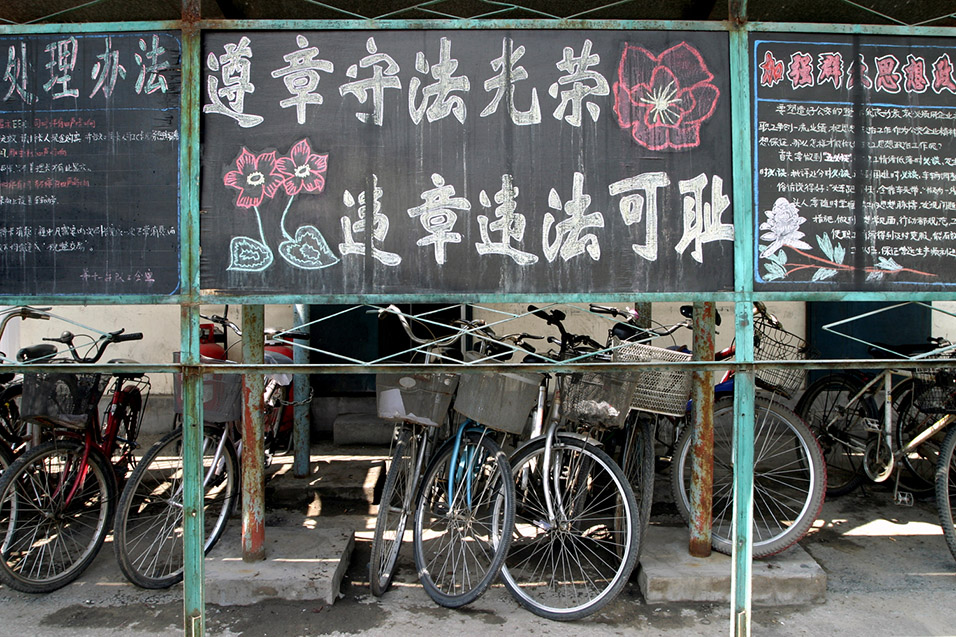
[418, 398]
[60, 399]
[773, 343]
[597, 398]
[501, 400]
[657, 390]
[935, 390]
[221, 393]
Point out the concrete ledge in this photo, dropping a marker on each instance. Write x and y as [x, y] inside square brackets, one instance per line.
[669, 574]
[300, 564]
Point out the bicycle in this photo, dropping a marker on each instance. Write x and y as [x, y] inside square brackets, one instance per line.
[149, 520]
[57, 498]
[15, 434]
[865, 439]
[463, 501]
[576, 530]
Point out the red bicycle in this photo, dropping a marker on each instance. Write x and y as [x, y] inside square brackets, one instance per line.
[57, 499]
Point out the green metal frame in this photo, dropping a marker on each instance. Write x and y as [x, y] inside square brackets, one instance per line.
[191, 295]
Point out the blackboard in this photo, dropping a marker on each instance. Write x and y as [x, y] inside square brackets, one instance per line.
[465, 162]
[89, 164]
[855, 160]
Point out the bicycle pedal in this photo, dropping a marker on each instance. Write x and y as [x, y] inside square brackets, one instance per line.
[871, 425]
[904, 499]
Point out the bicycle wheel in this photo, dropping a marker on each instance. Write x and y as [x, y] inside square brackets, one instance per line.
[946, 489]
[919, 465]
[463, 519]
[58, 510]
[839, 428]
[148, 531]
[13, 431]
[398, 498]
[572, 566]
[789, 477]
[637, 461]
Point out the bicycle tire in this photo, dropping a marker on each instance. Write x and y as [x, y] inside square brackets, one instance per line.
[49, 543]
[637, 460]
[789, 477]
[459, 545]
[148, 530]
[919, 465]
[842, 437]
[13, 430]
[946, 489]
[397, 502]
[541, 571]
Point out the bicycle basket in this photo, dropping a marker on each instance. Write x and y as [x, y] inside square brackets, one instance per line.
[935, 390]
[61, 399]
[598, 398]
[772, 342]
[659, 391]
[418, 398]
[501, 401]
[221, 393]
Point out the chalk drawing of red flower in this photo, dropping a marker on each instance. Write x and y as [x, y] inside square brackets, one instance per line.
[663, 99]
[303, 169]
[255, 178]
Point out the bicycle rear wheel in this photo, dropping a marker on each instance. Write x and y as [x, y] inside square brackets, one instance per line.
[12, 430]
[463, 519]
[148, 531]
[839, 428]
[919, 464]
[946, 489]
[398, 498]
[572, 566]
[638, 464]
[57, 512]
[789, 477]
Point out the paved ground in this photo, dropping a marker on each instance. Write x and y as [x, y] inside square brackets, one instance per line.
[889, 574]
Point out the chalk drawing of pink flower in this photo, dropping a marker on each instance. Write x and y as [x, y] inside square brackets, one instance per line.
[783, 228]
[302, 169]
[663, 99]
[255, 177]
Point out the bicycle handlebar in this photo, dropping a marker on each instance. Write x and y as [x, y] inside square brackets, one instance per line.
[98, 346]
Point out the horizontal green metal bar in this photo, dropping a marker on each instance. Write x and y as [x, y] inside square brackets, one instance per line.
[90, 27]
[104, 299]
[428, 24]
[359, 299]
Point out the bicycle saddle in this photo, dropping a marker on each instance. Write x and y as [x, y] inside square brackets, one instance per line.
[36, 352]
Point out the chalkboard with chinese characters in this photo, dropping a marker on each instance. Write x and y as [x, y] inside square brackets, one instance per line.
[855, 160]
[89, 164]
[465, 162]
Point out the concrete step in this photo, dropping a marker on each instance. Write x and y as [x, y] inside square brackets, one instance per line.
[304, 561]
[361, 429]
[669, 574]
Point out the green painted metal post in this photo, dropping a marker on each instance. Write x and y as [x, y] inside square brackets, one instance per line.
[743, 292]
[253, 448]
[702, 459]
[300, 387]
[193, 536]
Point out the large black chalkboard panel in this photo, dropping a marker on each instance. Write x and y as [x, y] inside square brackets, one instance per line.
[465, 162]
[855, 184]
[89, 164]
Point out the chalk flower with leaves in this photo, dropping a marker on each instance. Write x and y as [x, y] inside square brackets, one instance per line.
[782, 230]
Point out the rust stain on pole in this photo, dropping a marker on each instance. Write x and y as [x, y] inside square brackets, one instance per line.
[702, 452]
[253, 449]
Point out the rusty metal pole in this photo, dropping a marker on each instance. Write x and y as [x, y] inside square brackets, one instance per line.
[253, 447]
[702, 452]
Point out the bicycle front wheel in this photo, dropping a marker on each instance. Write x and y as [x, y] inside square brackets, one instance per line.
[946, 489]
[148, 531]
[839, 427]
[570, 565]
[398, 498]
[463, 519]
[56, 509]
[789, 477]
[919, 464]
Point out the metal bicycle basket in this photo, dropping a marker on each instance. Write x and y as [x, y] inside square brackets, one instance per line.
[500, 400]
[221, 393]
[935, 389]
[61, 399]
[418, 398]
[772, 342]
[597, 398]
[657, 390]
